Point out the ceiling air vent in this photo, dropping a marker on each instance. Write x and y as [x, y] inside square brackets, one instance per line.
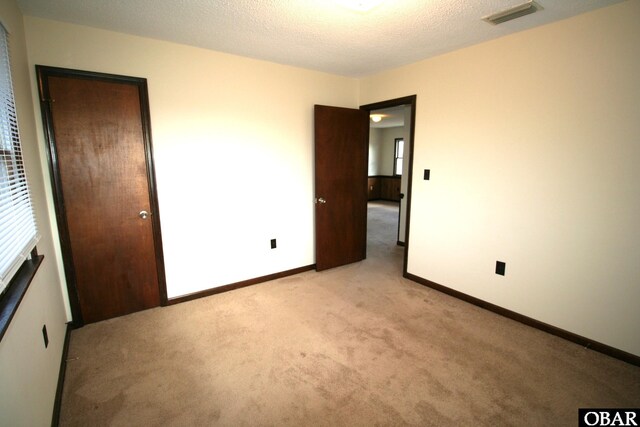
[513, 13]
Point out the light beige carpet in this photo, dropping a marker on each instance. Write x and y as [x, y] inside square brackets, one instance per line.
[354, 346]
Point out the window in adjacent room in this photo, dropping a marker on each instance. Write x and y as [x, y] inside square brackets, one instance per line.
[398, 156]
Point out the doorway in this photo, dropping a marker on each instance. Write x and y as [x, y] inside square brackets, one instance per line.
[99, 149]
[392, 129]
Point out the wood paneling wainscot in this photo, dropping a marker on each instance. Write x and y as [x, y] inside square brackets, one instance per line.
[382, 187]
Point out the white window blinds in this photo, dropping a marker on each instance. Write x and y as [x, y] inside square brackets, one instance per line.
[18, 232]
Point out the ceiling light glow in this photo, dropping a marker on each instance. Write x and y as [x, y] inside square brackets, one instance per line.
[376, 118]
[359, 5]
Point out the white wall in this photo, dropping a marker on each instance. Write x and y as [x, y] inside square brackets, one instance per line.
[375, 141]
[233, 145]
[387, 153]
[381, 149]
[28, 371]
[532, 142]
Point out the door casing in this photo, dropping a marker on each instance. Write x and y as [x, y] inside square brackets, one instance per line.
[411, 101]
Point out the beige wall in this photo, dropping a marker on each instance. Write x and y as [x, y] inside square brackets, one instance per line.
[233, 145]
[28, 371]
[532, 142]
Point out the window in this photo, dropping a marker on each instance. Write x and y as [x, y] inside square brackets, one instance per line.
[18, 232]
[398, 156]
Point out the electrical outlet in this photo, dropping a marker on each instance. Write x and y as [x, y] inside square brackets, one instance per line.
[427, 174]
[273, 243]
[500, 267]
[45, 336]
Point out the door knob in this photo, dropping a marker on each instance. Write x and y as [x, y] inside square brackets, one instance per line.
[143, 214]
[321, 200]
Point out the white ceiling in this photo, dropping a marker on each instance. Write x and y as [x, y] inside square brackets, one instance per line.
[315, 34]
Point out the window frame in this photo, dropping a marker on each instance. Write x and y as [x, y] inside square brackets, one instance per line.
[16, 290]
[17, 285]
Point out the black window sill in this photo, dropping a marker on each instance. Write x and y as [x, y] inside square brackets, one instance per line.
[10, 301]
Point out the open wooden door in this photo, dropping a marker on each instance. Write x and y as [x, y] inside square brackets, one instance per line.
[341, 150]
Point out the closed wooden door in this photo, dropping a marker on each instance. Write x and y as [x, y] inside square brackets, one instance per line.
[99, 149]
[341, 150]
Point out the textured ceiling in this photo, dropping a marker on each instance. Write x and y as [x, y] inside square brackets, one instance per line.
[316, 34]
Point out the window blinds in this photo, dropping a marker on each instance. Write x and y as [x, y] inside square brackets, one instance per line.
[18, 232]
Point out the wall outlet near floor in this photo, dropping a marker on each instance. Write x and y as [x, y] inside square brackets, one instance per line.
[500, 267]
[273, 243]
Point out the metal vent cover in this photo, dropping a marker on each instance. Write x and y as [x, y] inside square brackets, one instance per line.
[513, 13]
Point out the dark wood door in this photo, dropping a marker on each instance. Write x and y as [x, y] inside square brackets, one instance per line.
[341, 150]
[99, 146]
